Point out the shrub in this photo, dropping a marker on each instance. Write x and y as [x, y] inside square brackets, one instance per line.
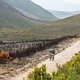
[69, 71]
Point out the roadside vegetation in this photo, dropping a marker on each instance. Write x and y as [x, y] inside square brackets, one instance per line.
[69, 71]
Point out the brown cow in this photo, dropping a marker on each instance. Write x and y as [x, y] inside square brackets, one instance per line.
[4, 55]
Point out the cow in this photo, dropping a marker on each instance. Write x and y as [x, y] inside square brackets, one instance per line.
[4, 55]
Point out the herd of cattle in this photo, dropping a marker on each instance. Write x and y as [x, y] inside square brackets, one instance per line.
[17, 50]
[23, 49]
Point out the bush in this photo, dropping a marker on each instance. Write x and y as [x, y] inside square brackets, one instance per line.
[69, 71]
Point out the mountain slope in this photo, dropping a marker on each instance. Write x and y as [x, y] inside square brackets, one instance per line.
[10, 17]
[63, 14]
[32, 10]
[69, 26]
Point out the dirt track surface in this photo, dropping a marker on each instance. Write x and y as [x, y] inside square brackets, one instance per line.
[60, 58]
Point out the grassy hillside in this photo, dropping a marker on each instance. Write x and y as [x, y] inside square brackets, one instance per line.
[32, 10]
[10, 17]
[69, 26]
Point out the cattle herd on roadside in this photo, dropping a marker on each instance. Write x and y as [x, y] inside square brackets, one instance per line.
[22, 49]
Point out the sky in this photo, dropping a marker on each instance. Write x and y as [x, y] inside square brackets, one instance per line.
[59, 5]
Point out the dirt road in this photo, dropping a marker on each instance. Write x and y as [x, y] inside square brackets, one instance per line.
[61, 58]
